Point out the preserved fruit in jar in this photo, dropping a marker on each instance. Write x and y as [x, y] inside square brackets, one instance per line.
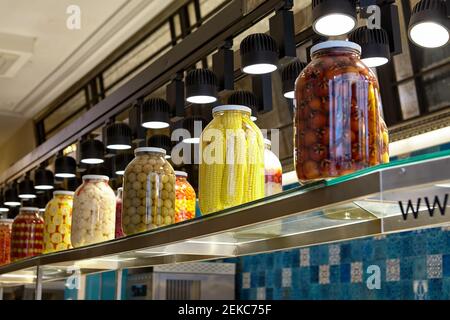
[148, 191]
[5, 241]
[58, 222]
[27, 234]
[273, 171]
[184, 198]
[94, 211]
[232, 160]
[338, 120]
[119, 232]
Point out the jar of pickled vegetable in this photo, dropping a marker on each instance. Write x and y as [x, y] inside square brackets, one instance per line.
[119, 232]
[27, 234]
[94, 211]
[5, 240]
[58, 221]
[232, 160]
[184, 198]
[273, 171]
[148, 191]
[338, 120]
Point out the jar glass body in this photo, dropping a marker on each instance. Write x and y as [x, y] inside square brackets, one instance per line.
[185, 200]
[27, 234]
[93, 214]
[148, 193]
[273, 173]
[338, 120]
[58, 222]
[231, 170]
[119, 232]
[5, 241]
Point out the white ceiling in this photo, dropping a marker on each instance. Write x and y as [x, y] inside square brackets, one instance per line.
[62, 56]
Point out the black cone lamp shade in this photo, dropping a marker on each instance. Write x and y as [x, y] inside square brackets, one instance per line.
[43, 179]
[333, 17]
[65, 167]
[26, 189]
[161, 141]
[92, 151]
[41, 201]
[201, 86]
[259, 54]
[3, 207]
[194, 125]
[11, 197]
[155, 114]
[374, 45]
[245, 98]
[429, 25]
[289, 74]
[121, 161]
[118, 136]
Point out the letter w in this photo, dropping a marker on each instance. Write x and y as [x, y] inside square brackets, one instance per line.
[410, 206]
[436, 201]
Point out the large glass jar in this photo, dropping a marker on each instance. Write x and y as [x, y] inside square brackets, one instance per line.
[184, 198]
[58, 221]
[338, 116]
[148, 191]
[119, 232]
[94, 211]
[27, 234]
[5, 240]
[273, 171]
[232, 160]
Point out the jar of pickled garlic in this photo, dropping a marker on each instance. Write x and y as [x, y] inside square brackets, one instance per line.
[184, 198]
[5, 240]
[338, 120]
[231, 169]
[94, 211]
[272, 170]
[148, 191]
[119, 232]
[58, 221]
[27, 236]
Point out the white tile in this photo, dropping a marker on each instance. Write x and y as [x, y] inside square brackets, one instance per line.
[434, 266]
[304, 257]
[246, 280]
[324, 274]
[393, 270]
[334, 253]
[261, 293]
[356, 272]
[286, 278]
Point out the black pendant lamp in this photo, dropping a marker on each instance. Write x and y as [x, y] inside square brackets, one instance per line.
[289, 74]
[121, 161]
[26, 188]
[429, 24]
[201, 86]
[374, 45]
[259, 54]
[11, 197]
[65, 167]
[41, 201]
[3, 207]
[191, 124]
[155, 113]
[118, 136]
[333, 17]
[43, 179]
[161, 141]
[245, 98]
[92, 151]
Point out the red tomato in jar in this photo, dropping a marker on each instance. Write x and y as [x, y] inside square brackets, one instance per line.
[328, 168]
[311, 170]
[310, 137]
[315, 104]
[317, 120]
[318, 152]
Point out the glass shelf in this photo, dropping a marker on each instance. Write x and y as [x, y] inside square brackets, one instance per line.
[359, 205]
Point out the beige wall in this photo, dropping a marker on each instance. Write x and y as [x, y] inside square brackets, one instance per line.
[20, 144]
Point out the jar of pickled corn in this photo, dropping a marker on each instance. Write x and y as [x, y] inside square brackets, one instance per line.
[231, 169]
[27, 234]
[338, 120]
[94, 212]
[148, 191]
[58, 221]
[5, 240]
[119, 232]
[184, 198]
[273, 171]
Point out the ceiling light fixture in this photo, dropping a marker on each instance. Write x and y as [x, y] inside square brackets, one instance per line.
[161, 141]
[121, 161]
[3, 207]
[11, 197]
[118, 136]
[92, 151]
[65, 167]
[155, 114]
[259, 54]
[333, 17]
[429, 24]
[374, 45]
[290, 73]
[43, 179]
[247, 99]
[26, 188]
[201, 86]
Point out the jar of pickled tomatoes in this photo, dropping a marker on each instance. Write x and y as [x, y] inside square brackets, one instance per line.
[184, 198]
[5, 241]
[27, 236]
[338, 121]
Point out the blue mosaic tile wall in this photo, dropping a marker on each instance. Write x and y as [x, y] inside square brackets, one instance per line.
[411, 265]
